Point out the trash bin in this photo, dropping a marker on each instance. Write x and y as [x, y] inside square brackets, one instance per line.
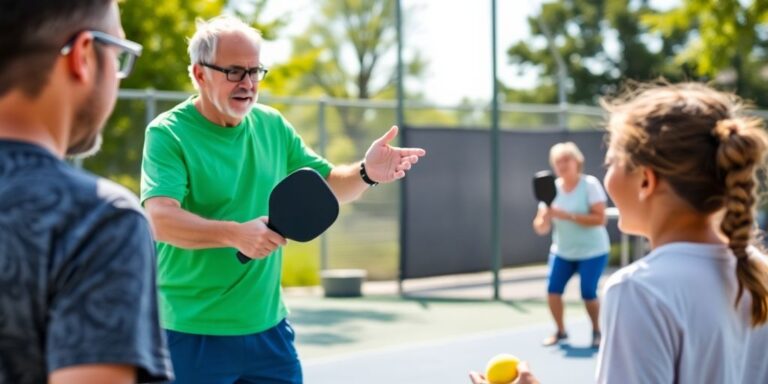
[343, 282]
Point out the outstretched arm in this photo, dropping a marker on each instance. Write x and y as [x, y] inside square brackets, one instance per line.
[383, 164]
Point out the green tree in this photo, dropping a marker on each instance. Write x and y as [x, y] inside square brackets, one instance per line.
[581, 31]
[725, 40]
[162, 28]
[348, 52]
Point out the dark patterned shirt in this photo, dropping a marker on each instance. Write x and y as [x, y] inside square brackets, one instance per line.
[77, 272]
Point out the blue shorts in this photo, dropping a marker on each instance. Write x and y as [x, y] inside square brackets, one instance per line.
[561, 270]
[267, 357]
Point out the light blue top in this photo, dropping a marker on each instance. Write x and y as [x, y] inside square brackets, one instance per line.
[573, 241]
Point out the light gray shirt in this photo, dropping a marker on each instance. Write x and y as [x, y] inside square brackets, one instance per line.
[670, 318]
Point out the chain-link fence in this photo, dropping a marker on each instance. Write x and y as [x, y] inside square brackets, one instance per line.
[366, 234]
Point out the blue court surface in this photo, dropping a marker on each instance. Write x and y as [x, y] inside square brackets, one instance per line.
[441, 335]
[449, 361]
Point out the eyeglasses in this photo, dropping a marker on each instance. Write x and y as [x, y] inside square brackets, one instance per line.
[237, 74]
[129, 50]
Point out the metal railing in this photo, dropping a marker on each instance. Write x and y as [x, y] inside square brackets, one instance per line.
[547, 113]
[151, 98]
[370, 228]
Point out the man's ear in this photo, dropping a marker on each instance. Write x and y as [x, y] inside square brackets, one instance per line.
[197, 71]
[649, 181]
[81, 59]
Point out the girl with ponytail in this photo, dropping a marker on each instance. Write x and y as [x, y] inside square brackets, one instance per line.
[682, 170]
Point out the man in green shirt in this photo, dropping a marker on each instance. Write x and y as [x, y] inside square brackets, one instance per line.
[208, 168]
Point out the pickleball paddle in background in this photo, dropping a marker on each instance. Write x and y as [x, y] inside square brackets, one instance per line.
[544, 187]
[301, 207]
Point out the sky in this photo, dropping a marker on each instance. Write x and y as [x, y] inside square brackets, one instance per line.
[454, 36]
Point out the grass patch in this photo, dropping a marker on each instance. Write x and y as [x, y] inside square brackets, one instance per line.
[301, 261]
[301, 264]
[361, 241]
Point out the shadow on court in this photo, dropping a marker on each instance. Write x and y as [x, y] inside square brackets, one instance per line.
[578, 352]
[518, 305]
[327, 326]
[323, 338]
[335, 316]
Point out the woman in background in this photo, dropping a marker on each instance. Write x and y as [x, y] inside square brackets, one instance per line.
[579, 239]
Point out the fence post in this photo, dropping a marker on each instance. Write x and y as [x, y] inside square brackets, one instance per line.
[400, 110]
[624, 249]
[562, 116]
[151, 105]
[496, 257]
[322, 144]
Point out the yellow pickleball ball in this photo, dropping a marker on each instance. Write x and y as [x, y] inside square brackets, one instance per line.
[501, 369]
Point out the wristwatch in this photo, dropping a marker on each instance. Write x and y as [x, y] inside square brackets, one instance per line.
[365, 177]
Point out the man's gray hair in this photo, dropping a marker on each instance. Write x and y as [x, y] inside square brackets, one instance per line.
[202, 45]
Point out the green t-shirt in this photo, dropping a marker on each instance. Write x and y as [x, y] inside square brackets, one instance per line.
[220, 173]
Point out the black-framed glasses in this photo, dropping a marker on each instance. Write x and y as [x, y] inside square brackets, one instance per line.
[237, 74]
[129, 50]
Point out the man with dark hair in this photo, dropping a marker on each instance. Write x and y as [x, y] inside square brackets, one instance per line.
[77, 265]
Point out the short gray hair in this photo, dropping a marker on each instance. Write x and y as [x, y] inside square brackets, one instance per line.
[202, 45]
[568, 148]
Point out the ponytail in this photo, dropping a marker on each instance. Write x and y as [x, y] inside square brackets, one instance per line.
[740, 153]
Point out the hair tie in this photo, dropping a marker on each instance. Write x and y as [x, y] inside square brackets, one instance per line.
[725, 128]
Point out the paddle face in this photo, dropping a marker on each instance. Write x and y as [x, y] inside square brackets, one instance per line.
[301, 207]
[544, 187]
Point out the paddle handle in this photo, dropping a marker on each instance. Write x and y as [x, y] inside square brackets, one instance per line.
[245, 259]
